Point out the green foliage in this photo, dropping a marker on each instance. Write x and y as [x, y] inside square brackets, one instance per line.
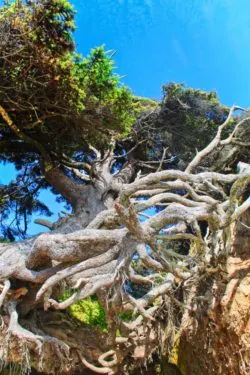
[88, 311]
[196, 113]
[126, 316]
[110, 105]
[52, 94]
[54, 24]
[186, 120]
[3, 240]
[59, 101]
[19, 200]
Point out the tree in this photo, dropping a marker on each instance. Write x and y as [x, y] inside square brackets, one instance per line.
[74, 128]
[53, 95]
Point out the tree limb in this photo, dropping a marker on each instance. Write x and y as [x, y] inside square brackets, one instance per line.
[214, 143]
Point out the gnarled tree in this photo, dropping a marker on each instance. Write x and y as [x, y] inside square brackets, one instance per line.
[156, 230]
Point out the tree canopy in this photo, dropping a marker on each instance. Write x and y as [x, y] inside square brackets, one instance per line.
[54, 103]
[52, 94]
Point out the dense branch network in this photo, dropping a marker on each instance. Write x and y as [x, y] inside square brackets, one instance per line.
[105, 251]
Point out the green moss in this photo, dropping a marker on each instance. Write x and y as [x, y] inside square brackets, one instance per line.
[176, 357]
[118, 333]
[88, 311]
[126, 316]
[2, 240]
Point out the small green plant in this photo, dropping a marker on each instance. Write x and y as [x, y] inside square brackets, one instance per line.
[87, 311]
[3, 240]
[126, 316]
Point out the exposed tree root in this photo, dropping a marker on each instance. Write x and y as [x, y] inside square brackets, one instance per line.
[108, 253]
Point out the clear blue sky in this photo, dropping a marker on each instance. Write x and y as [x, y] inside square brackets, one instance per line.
[202, 43]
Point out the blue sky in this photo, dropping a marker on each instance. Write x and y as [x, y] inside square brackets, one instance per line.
[202, 43]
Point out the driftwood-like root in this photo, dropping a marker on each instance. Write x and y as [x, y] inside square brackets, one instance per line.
[115, 254]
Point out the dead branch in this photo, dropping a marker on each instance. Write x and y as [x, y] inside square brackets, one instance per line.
[215, 142]
[97, 370]
[88, 264]
[6, 288]
[44, 223]
[103, 362]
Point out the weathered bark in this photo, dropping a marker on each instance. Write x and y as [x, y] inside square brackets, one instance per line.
[215, 337]
[103, 248]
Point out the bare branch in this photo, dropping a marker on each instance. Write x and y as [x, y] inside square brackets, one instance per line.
[44, 223]
[97, 370]
[82, 244]
[115, 157]
[78, 174]
[68, 162]
[214, 143]
[164, 180]
[148, 260]
[241, 209]
[156, 292]
[136, 278]
[103, 362]
[231, 136]
[138, 306]
[5, 290]
[162, 159]
[91, 263]
[166, 197]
